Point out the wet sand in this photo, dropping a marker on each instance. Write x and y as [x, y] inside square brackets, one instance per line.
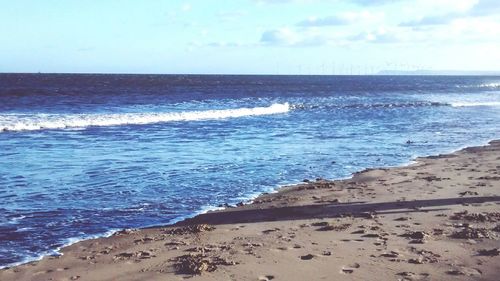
[437, 219]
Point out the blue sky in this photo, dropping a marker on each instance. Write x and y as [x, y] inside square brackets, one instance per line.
[248, 36]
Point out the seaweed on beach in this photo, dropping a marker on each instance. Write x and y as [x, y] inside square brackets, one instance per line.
[189, 229]
[334, 227]
[476, 217]
[196, 264]
[473, 233]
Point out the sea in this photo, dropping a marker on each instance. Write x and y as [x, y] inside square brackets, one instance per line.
[83, 155]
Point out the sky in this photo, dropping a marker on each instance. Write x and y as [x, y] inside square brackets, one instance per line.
[248, 36]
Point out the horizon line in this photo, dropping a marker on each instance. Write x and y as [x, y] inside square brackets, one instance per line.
[387, 72]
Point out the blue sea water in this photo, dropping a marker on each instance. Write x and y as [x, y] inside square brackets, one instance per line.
[82, 155]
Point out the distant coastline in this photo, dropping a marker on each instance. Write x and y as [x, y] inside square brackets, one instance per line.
[424, 72]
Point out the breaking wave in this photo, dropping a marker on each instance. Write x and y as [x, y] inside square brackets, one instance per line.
[484, 103]
[369, 105]
[32, 122]
[491, 85]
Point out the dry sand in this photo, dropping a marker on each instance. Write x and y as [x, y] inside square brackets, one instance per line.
[438, 219]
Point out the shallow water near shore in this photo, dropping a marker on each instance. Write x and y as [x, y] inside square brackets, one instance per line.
[84, 154]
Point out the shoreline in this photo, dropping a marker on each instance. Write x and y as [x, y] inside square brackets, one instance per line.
[265, 201]
[287, 187]
[246, 201]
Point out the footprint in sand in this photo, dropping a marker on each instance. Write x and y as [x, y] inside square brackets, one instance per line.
[266, 278]
[350, 268]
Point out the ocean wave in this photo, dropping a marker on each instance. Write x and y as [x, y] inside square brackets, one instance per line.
[33, 122]
[394, 105]
[369, 105]
[491, 85]
[479, 103]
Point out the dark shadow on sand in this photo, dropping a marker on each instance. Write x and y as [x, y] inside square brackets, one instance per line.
[230, 216]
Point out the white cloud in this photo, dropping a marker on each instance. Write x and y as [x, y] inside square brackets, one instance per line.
[380, 35]
[287, 37]
[225, 44]
[431, 20]
[375, 2]
[326, 21]
[438, 12]
[280, 1]
[435, 22]
[459, 31]
[486, 7]
[359, 2]
[228, 16]
[344, 18]
[474, 30]
[281, 36]
[461, 10]
[186, 7]
[447, 6]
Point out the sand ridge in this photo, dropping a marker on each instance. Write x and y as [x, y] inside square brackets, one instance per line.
[437, 219]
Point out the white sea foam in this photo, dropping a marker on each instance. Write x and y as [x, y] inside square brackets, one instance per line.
[31, 122]
[484, 85]
[478, 103]
[491, 85]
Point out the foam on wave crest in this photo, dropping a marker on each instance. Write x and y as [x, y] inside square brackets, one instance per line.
[491, 85]
[32, 122]
[467, 104]
[369, 105]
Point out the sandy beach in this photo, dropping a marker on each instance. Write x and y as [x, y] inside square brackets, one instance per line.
[437, 219]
